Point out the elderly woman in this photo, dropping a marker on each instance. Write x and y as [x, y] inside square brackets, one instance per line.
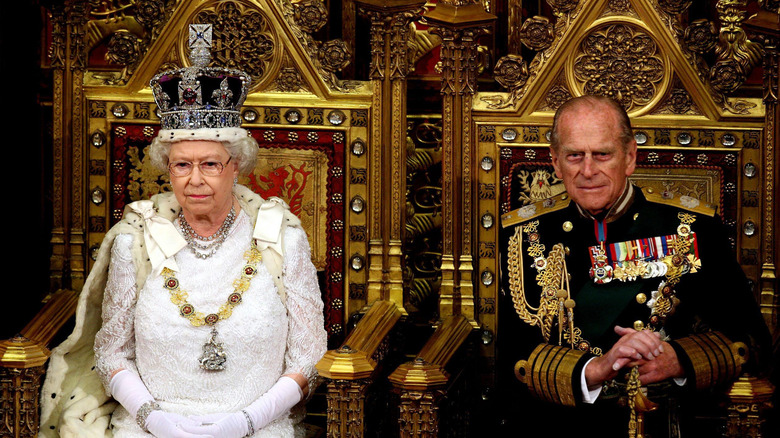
[211, 313]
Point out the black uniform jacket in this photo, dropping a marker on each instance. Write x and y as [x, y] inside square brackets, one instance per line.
[715, 302]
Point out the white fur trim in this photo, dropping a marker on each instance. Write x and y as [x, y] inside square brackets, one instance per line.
[210, 134]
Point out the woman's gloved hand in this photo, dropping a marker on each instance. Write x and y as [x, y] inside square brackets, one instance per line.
[285, 394]
[128, 389]
[169, 425]
[222, 425]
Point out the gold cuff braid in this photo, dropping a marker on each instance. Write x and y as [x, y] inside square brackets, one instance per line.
[548, 373]
[714, 358]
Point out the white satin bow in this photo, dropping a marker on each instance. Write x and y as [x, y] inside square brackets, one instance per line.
[268, 228]
[162, 239]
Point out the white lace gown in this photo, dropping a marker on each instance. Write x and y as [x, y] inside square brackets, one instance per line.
[263, 339]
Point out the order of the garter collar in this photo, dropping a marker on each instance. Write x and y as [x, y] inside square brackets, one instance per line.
[214, 356]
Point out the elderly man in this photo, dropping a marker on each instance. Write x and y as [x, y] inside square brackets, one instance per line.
[631, 292]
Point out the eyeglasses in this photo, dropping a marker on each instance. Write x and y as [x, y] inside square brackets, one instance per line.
[207, 168]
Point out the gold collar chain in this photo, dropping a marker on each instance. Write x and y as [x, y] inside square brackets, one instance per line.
[179, 296]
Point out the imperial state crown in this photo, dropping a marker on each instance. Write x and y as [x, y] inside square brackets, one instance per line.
[200, 96]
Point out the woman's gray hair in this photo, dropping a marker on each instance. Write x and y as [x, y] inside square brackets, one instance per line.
[241, 146]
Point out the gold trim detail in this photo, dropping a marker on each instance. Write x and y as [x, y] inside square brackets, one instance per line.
[713, 358]
[548, 373]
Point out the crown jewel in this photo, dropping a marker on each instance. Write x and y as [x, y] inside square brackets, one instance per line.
[200, 96]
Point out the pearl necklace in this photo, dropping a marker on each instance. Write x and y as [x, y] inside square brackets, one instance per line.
[213, 242]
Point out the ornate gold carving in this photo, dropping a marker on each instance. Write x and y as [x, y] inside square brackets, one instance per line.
[768, 288]
[131, 27]
[377, 65]
[77, 20]
[310, 15]
[347, 370]
[674, 7]
[769, 187]
[242, 38]
[313, 49]
[770, 77]
[57, 46]
[400, 33]
[459, 59]
[620, 61]
[700, 36]
[290, 81]
[565, 11]
[537, 33]
[511, 72]
[678, 101]
[562, 6]
[419, 413]
[334, 55]
[21, 368]
[152, 14]
[346, 400]
[556, 97]
[422, 381]
[750, 402]
[459, 29]
[736, 55]
[423, 218]
[123, 48]
[619, 6]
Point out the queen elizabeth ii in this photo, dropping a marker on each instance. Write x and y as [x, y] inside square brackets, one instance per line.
[202, 315]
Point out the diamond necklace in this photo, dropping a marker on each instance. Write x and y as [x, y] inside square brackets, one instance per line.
[213, 242]
[214, 356]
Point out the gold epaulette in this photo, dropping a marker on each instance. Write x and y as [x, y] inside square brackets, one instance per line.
[685, 202]
[531, 211]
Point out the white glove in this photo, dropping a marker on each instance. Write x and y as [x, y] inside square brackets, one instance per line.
[167, 425]
[128, 389]
[285, 394]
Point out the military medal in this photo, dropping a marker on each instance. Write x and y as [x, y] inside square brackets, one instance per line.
[651, 257]
[601, 272]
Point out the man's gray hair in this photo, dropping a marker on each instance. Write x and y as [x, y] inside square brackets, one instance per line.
[625, 134]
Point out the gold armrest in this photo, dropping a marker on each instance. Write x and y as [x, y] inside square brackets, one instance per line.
[59, 308]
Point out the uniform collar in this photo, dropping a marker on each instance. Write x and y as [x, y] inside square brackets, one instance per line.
[618, 209]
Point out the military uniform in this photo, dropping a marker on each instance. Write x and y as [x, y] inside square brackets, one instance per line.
[654, 262]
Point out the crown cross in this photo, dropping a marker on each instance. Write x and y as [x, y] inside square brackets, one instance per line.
[200, 44]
